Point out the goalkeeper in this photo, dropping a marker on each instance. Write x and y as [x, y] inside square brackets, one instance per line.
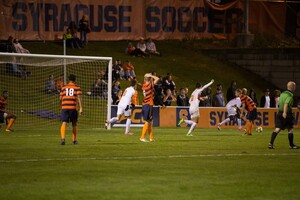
[125, 106]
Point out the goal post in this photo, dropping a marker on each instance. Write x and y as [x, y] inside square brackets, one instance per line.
[34, 81]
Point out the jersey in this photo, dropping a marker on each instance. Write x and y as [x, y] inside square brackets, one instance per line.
[249, 103]
[69, 96]
[127, 96]
[148, 91]
[3, 104]
[195, 97]
[234, 103]
[286, 97]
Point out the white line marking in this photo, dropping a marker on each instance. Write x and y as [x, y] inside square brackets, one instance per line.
[144, 157]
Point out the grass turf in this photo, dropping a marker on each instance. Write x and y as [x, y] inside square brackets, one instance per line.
[109, 165]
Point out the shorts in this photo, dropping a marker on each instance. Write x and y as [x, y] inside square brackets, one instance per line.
[69, 116]
[252, 115]
[124, 110]
[147, 112]
[1, 117]
[286, 123]
[194, 113]
[231, 111]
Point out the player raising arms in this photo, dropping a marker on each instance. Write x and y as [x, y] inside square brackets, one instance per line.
[147, 105]
[194, 106]
[233, 110]
[70, 95]
[249, 106]
[125, 107]
[8, 117]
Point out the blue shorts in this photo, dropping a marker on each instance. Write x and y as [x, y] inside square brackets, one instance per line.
[69, 116]
[147, 112]
[252, 115]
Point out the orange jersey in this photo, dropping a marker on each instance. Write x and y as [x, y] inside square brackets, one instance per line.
[135, 98]
[249, 103]
[3, 104]
[148, 90]
[69, 96]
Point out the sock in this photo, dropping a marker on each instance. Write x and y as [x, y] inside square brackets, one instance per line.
[192, 128]
[74, 133]
[225, 121]
[250, 128]
[113, 120]
[190, 122]
[63, 130]
[144, 131]
[274, 134]
[150, 131]
[11, 122]
[248, 124]
[239, 121]
[291, 138]
[128, 122]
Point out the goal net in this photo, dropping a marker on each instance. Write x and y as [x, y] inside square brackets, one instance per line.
[34, 81]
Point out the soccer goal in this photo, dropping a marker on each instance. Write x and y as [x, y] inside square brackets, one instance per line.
[34, 82]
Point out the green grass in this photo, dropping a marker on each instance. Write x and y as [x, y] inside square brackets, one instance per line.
[108, 165]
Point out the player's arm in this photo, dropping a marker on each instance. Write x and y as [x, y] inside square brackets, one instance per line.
[80, 104]
[285, 107]
[155, 78]
[242, 110]
[208, 84]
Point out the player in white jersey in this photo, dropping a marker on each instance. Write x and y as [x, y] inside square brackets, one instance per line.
[233, 112]
[125, 107]
[194, 106]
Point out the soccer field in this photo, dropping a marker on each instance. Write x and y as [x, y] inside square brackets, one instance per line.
[109, 165]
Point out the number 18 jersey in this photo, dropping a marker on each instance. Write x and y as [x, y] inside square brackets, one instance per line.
[69, 95]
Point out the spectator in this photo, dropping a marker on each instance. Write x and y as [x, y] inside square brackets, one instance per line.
[84, 29]
[265, 100]
[50, 85]
[151, 48]
[115, 89]
[252, 95]
[18, 70]
[73, 28]
[182, 99]
[169, 83]
[275, 101]
[99, 89]
[128, 70]
[10, 45]
[158, 92]
[19, 48]
[71, 40]
[117, 71]
[135, 52]
[218, 99]
[207, 98]
[168, 98]
[231, 91]
[141, 45]
[59, 83]
[118, 97]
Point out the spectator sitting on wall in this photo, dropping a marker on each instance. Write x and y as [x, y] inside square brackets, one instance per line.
[231, 91]
[141, 45]
[84, 29]
[218, 98]
[182, 99]
[115, 89]
[151, 48]
[265, 100]
[19, 48]
[10, 47]
[118, 97]
[252, 95]
[128, 70]
[158, 92]
[275, 99]
[71, 41]
[135, 52]
[206, 94]
[50, 85]
[99, 89]
[168, 83]
[117, 71]
[168, 98]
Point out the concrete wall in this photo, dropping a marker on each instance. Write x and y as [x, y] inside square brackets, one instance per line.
[277, 66]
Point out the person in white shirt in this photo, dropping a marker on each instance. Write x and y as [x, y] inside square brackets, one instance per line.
[265, 100]
[232, 108]
[125, 107]
[194, 107]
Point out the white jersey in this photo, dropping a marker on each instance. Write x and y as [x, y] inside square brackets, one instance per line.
[232, 106]
[127, 96]
[195, 97]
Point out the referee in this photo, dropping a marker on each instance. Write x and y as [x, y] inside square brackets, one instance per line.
[285, 116]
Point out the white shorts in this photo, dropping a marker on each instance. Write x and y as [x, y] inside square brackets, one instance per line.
[121, 110]
[5, 115]
[194, 113]
[231, 111]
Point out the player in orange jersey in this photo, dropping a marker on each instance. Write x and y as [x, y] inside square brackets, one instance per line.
[147, 105]
[249, 106]
[7, 116]
[70, 96]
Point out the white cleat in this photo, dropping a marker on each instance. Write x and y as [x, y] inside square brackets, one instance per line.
[219, 128]
[189, 135]
[143, 140]
[152, 140]
[129, 133]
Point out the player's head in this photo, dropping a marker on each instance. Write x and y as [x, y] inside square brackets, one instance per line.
[5, 94]
[198, 85]
[72, 78]
[244, 91]
[238, 92]
[291, 86]
[133, 83]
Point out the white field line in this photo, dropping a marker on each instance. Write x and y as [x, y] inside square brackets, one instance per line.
[146, 157]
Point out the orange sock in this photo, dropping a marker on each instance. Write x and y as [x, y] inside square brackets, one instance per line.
[144, 131]
[63, 130]
[150, 131]
[250, 128]
[11, 122]
[74, 134]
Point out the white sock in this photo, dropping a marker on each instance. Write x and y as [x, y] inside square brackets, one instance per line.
[239, 121]
[192, 128]
[189, 122]
[128, 122]
[225, 121]
[113, 120]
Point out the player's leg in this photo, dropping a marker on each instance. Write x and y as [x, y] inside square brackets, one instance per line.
[127, 114]
[289, 125]
[65, 119]
[74, 118]
[193, 124]
[113, 120]
[228, 119]
[146, 116]
[280, 125]
[11, 120]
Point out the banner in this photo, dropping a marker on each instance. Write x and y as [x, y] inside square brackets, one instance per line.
[209, 117]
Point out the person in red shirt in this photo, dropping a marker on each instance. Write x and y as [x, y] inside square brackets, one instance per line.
[7, 116]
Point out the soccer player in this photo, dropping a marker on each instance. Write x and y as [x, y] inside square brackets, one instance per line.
[233, 110]
[125, 107]
[249, 106]
[70, 96]
[285, 116]
[147, 105]
[7, 116]
[194, 106]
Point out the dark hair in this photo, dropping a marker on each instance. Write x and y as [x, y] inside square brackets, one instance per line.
[5, 91]
[72, 77]
[198, 85]
[133, 82]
